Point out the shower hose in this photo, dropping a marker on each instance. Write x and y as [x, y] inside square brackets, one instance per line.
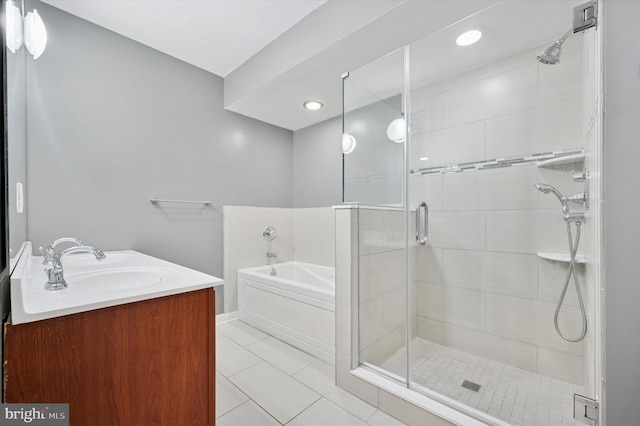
[573, 248]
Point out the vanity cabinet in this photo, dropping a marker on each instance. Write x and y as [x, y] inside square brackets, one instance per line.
[144, 363]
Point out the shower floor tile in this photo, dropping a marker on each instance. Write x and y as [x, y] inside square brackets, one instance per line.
[513, 395]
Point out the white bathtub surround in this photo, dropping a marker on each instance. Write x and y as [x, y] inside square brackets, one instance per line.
[305, 234]
[244, 245]
[314, 236]
[296, 305]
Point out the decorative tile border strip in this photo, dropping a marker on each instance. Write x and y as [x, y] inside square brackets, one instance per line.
[495, 163]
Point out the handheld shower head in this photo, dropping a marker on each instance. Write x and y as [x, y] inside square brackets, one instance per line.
[551, 55]
[545, 189]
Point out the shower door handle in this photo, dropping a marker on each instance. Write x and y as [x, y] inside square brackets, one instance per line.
[422, 239]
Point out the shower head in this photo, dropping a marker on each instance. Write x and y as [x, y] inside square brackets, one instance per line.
[545, 189]
[551, 55]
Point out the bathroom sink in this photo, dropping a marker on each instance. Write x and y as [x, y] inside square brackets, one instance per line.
[119, 278]
[124, 276]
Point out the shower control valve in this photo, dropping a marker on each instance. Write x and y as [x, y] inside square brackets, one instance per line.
[579, 177]
[269, 233]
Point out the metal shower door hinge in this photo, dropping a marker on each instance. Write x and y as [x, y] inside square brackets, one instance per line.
[585, 16]
[585, 410]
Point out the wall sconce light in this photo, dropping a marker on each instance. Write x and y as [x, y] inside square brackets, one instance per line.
[29, 30]
[13, 24]
[396, 130]
[348, 143]
[35, 34]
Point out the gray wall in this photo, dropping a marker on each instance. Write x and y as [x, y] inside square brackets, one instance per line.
[317, 164]
[112, 123]
[621, 206]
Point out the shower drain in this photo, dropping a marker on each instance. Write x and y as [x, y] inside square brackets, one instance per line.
[471, 386]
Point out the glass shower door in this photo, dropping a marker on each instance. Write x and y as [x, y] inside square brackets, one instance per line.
[488, 122]
[373, 146]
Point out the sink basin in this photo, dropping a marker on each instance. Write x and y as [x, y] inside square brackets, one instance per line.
[119, 278]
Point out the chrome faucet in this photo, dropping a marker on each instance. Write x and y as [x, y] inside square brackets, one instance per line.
[54, 270]
[49, 252]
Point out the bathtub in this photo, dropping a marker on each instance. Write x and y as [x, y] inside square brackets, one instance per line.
[297, 305]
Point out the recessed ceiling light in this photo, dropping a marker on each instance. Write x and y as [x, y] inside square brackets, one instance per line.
[424, 158]
[468, 38]
[313, 105]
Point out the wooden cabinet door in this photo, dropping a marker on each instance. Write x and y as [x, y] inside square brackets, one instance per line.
[144, 363]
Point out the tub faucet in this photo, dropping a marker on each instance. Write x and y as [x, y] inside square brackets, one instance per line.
[55, 272]
[272, 254]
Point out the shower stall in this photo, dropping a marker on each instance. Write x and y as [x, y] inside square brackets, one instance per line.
[471, 222]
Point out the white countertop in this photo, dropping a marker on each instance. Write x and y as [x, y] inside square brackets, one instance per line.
[123, 277]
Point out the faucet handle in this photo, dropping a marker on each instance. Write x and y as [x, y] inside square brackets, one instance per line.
[48, 254]
[579, 176]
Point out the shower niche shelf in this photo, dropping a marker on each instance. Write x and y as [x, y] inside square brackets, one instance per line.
[562, 161]
[562, 257]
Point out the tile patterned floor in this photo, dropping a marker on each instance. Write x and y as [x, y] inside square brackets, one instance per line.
[263, 381]
[510, 394]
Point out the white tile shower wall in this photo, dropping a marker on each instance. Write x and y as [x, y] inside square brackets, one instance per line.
[305, 235]
[382, 294]
[480, 286]
[314, 235]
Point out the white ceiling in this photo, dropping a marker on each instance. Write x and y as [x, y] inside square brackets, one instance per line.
[215, 35]
[275, 54]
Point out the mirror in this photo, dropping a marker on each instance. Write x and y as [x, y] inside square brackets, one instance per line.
[17, 149]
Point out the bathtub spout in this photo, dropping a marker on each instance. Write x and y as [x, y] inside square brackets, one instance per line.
[272, 254]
